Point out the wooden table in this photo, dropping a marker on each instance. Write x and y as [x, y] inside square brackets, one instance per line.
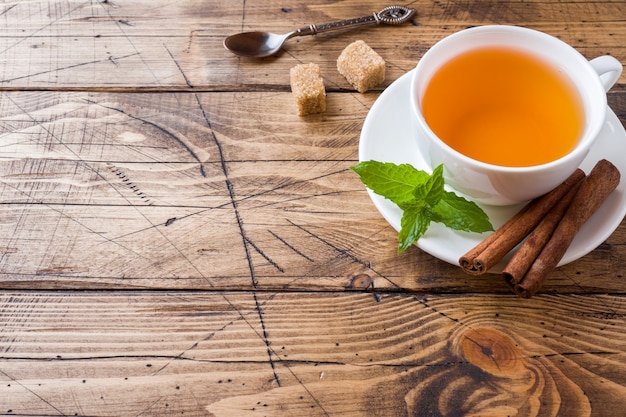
[176, 240]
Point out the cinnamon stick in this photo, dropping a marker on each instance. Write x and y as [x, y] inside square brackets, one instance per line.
[467, 261]
[488, 253]
[531, 248]
[593, 191]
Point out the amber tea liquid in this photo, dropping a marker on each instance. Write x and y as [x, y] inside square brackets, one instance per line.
[503, 107]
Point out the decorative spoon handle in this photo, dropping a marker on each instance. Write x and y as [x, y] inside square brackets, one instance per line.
[390, 15]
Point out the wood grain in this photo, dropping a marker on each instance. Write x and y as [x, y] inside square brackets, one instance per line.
[271, 202]
[175, 240]
[147, 45]
[310, 354]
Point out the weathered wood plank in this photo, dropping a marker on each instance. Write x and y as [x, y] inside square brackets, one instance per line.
[195, 248]
[239, 354]
[210, 191]
[143, 45]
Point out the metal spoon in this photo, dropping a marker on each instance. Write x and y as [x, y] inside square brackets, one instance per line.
[262, 44]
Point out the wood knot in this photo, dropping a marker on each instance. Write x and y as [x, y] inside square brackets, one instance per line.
[491, 351]
[361, 282]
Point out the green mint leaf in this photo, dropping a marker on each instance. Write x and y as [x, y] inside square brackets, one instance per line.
[432, 190]
[422, 198]
[457, 213]
[416, 218]
[394, 182]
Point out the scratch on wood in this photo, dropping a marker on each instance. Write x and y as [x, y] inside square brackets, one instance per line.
[338, 249]
[270, 352]
[422, 301]
[60, 270]
[197, 343]
[5, 11]
[40, 28]
[55, 70]
[267, 258]
[245, 240]
[291, 247]
[192, 35]
[163, 130]
[26, 387]
[179, 67]
[119, 24]
[133, 187]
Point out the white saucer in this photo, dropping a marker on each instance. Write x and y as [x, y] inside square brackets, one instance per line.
[387, 137]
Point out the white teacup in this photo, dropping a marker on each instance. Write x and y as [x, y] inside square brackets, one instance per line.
[492, 184]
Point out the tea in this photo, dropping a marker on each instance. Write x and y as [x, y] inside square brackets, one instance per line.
[503, 107]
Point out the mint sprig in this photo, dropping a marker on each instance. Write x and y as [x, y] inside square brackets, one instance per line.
[422, 198]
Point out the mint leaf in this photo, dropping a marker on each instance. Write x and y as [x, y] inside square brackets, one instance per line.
[422, 198]
[459, 214]
[432, 190]
[394, 182]
[414, 223]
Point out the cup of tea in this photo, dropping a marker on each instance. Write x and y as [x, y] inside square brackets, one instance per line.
[509, 111]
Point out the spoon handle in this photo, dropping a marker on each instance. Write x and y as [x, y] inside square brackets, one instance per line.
[391, 15]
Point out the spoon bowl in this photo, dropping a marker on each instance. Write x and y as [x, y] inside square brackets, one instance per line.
[256, 44]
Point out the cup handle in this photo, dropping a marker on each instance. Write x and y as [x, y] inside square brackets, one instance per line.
[608, 68]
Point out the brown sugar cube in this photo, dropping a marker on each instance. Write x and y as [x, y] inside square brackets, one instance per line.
[361, 66]
[308, 88]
